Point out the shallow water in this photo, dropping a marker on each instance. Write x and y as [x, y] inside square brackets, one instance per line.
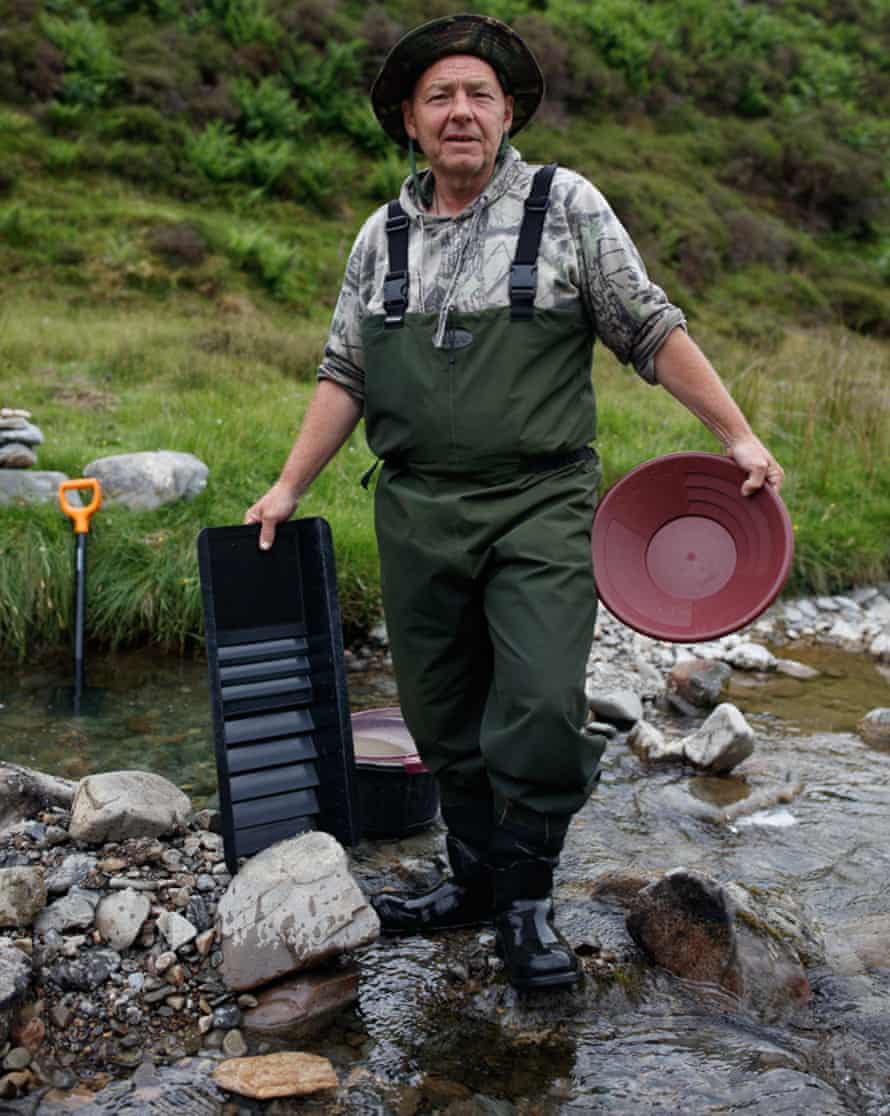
[634, 1039]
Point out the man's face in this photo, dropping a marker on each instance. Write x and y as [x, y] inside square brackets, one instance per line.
[458, 114]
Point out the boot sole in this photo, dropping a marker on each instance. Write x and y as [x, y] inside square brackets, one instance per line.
[556, 981]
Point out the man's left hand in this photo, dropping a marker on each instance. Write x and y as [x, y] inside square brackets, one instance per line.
[760, 465]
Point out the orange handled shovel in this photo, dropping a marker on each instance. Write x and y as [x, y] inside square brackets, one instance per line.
[80, 515]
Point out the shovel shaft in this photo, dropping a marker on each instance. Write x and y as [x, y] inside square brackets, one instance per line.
[80, 608]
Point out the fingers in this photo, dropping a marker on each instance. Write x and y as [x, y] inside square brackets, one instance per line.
[769, 472]
[267, 534]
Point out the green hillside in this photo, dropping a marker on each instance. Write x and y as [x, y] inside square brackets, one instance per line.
[180, 184]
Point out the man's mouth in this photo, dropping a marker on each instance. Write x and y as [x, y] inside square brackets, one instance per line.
[461, 139]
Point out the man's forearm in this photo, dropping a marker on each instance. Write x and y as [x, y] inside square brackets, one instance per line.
[682, 369]
[330, 418]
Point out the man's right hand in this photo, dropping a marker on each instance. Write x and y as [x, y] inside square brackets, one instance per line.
[277, 506]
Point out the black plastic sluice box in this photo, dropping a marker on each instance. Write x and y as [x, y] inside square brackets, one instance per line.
[278, 697]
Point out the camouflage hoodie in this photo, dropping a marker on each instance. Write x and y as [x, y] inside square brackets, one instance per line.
[462, 263]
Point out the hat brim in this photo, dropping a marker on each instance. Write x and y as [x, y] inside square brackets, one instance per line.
[486, 38]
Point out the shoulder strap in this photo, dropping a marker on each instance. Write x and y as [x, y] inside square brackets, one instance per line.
[395, 283]
[524, 270]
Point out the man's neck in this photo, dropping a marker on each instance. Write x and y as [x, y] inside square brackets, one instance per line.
[452, 194]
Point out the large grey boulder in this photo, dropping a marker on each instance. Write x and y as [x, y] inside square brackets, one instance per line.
[29, 486]
[22, 895]
[292, 907]
[704, 931]
[147, 480]
[25, 793]
[120, 804]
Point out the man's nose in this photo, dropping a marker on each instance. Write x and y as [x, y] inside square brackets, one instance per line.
[460, 106]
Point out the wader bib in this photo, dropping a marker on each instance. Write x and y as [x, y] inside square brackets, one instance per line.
[483, 513]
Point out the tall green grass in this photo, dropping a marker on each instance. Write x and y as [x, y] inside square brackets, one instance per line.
[231, 388]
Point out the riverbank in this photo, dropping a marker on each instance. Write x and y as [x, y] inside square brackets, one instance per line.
[104, 1009]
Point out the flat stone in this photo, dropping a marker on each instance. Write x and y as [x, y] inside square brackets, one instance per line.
[879, 648]
[177, 931]
[25, 793]
[76, 910]
[621, 707]
[73, 870]
[14, 455]
[750, 656]
[287, 1074]
[846, 635]
[793, 669]
[15, 978]
[303, 1005]
[20, 430]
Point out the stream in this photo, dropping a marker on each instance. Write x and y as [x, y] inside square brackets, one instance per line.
[429, 1032]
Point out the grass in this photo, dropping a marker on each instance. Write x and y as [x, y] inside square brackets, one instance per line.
[102, 382]
[231, 388]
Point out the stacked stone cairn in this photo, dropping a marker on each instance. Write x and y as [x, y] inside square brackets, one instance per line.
[18, 437]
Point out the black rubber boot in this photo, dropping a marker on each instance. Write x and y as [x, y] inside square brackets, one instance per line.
[535, 954]
[465, 899]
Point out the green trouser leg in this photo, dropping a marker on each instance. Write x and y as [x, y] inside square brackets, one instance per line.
[490, 604]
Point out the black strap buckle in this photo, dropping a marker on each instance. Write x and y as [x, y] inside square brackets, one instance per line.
[538, 205]
[395, 297]
[523, 287]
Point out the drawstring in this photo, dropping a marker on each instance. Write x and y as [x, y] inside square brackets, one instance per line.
[442, 324]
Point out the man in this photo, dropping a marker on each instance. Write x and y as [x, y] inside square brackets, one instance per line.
[464, 333]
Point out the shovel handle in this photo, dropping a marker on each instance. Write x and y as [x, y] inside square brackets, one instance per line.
[80, 514]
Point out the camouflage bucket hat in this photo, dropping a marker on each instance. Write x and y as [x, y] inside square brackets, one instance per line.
[486, 38]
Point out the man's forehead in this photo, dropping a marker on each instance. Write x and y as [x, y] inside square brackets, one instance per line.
[458, 67]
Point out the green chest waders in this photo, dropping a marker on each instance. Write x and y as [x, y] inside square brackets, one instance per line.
[483, 513]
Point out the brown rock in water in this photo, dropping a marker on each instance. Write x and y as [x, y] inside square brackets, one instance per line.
[288, 1074]
[697, 684]
[303, 1005]
[704, 931]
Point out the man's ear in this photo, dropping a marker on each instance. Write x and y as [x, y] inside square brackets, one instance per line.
[508, 113]
[408, 119]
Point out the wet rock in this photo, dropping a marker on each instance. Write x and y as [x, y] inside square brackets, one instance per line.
[149, 480]
[874, 728]
[73, 870]
[617, 706]
[15, 978]
[302, 1006]
[750, 656]
[696, 684]
[120, 804]
[722, 742]
[291, 907]
[25, 793]
[177, 931]
[22, 895]
[289, 1074]
[234, 1045]
[652, 746]
[89, 971]
[846, 635]
[866, 940]
[694, 927]
[75, 910]
[155, 1091]
[792, 669]
[879, 648]
[119, 917]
